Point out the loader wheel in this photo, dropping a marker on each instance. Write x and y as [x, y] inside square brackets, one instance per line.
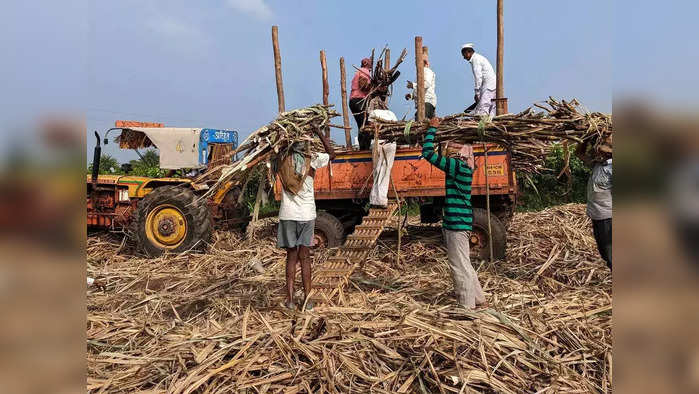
[479, 236]
[328, 231]
[169, 220]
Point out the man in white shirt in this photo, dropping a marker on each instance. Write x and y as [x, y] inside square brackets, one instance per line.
[430, 95]
[297, 215]
[484, 81]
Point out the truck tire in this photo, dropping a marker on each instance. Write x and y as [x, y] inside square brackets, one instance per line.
[329, 231]
[169, 220]
[479, 236]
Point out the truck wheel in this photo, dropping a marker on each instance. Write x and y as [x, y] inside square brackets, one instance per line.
[169, 220]
[328, 231]
[479, 236]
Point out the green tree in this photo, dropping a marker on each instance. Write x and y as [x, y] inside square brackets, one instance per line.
[108, 165]
[147, 165]
[547, 188]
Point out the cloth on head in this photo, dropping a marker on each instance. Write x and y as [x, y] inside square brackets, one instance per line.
[465, 46]
[466, 153]
[298, 150]
[366, 62]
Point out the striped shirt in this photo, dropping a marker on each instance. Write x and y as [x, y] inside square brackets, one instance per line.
[458, 215]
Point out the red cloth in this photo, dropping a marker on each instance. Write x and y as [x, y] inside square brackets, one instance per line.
[356, 92]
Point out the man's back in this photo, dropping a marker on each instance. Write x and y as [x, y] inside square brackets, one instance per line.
[483, 70]
[302, 206]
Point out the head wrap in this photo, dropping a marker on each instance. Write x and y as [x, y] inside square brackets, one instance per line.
[366, 62]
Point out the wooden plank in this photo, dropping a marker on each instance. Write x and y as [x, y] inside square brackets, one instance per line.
[278, 68]
[345, 109]
[326, 88]
[420, 69]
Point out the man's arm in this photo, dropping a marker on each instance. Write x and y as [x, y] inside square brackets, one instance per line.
[448, 165]
[581, 153]
[326, 143]
[477, 75]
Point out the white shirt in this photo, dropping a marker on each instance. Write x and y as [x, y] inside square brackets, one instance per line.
[430, 95]
[483, 74]
[599, 191]
[302, 206]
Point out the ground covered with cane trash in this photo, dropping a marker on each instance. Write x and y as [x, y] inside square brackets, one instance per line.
[214, 322]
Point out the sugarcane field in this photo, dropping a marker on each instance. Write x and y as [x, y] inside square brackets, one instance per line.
[352, 233]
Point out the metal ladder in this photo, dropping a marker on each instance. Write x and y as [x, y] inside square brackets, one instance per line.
[333, 274]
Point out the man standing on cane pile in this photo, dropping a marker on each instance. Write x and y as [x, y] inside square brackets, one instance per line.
[458, 216]
[361, 84]
[430, 95]
[297, 212]
[483, 79]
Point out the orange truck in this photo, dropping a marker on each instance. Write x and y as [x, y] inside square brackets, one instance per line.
[342, 193]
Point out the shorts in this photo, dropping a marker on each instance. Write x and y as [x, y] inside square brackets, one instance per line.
[292, 233]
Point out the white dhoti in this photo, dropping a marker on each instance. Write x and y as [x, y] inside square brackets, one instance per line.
[486, 103]
[383, 164]
[468, 289]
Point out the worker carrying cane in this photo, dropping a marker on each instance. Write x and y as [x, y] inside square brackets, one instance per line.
[458, 216]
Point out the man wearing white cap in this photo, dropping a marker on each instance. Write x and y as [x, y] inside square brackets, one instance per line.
[484, 80]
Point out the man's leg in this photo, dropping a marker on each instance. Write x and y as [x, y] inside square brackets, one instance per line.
[475, 284]
[305, 237]
[429, 111]
[291, 257]
[485, 105]
[602, 229]
[305, 258]
[458, 273]
[364, 140]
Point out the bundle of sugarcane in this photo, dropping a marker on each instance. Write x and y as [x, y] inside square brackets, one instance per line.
[265, 144]
[382, 78]
[529, 135]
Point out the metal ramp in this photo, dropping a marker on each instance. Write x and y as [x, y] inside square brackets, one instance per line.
[331, 276]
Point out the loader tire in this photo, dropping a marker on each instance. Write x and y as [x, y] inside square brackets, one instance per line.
[479, 236]
[169, 219]
[329, 231]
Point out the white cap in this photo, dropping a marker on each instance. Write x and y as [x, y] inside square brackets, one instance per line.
[469, 45]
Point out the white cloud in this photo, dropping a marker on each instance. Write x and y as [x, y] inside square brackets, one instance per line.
[257, 8]
[179, 34]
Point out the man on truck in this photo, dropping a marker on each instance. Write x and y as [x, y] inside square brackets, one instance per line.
[430, 95]
[458, 216]
[483, 80]
[361, 85]
[297, 214]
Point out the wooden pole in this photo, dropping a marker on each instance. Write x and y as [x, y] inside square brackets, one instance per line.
[487, 201]
[324, 67]
[278, 68]
[420, 69]
[345, 110]
[387, 60]
[500, 100]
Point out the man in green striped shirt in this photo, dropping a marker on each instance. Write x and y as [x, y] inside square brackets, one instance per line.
[458, 216]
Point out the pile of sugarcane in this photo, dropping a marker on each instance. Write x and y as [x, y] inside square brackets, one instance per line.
[265, 144]
[529, 135]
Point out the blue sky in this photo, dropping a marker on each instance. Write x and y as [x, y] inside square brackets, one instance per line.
[210, 64]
